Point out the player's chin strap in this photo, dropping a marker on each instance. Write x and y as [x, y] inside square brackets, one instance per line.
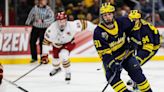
[114, 74]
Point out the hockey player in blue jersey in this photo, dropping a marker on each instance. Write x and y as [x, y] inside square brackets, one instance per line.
[150, 40]
[111, 42]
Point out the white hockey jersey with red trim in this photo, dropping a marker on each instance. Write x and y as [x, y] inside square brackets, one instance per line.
[54, 35]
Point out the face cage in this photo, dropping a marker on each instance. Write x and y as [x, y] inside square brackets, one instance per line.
[107, 23]
[60, 25]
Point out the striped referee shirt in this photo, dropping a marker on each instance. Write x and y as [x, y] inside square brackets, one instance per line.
[43, 13]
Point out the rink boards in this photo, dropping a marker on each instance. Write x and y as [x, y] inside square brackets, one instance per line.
[14, 46]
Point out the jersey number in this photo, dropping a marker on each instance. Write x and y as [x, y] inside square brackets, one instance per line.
[97, 43]
[145, 39]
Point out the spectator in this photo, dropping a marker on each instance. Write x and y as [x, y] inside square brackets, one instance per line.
[145, 7]
[94, 10]
[74, 2]
[71, 18]
[81, 11]
[111, 1]
[88, 3]
[161, 5]
[125, 10]
[41, 16]
[22, 12]
[59, 6]
[136, 4]
[148, 18]
[89, 17]
[118, 12]
[69, 9]
[158, 21]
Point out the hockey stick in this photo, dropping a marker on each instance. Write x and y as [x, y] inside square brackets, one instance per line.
[27, 73]
[112, 77]
[98, 69]
[19, 87]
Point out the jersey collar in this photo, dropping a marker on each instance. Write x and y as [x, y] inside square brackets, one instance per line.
[113, 31]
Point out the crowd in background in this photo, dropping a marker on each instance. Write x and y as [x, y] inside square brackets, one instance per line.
[84, 9]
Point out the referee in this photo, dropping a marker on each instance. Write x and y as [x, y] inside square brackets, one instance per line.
[40, 17]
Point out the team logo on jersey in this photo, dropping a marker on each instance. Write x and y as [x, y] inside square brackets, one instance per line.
[104, 35]
[118, 44]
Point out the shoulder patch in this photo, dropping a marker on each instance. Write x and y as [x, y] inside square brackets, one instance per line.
[104, 35]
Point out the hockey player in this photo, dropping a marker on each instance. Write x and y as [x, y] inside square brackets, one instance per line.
[150, 40]
[1, 73]
[60, 35]
[111, 42]
[150, 37]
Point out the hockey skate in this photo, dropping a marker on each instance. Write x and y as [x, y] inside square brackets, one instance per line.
[55, 71]
[133, 85]
[68, 78]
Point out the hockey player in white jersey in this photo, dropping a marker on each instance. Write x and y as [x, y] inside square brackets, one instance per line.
[60, 35]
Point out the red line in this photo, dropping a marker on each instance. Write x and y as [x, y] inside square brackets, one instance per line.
[83, 41]
[85, 49]
[81, 36]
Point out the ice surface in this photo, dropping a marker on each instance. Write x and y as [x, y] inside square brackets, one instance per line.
[85, 78]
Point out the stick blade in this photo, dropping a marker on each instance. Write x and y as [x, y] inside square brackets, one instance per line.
[22, 89]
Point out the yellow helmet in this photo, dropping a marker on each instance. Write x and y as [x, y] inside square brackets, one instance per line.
[106, 8]
[134, 14]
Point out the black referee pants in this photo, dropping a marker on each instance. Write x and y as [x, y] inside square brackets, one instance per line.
[36, 33]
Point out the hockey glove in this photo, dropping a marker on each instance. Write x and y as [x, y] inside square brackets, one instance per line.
[44, 59]
[116, 67]
[131, 46]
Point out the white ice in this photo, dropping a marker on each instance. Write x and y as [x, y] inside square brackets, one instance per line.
[85, 78]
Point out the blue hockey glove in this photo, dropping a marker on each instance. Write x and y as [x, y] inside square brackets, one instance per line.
[115, 67]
